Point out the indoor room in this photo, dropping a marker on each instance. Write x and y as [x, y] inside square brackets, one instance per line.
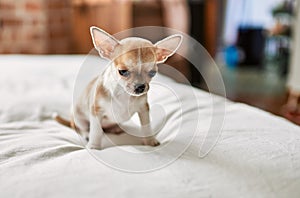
[149, 98]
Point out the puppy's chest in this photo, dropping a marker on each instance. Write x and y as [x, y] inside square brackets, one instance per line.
[119, 109]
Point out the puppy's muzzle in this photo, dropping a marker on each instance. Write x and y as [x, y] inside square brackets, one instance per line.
[139, 88]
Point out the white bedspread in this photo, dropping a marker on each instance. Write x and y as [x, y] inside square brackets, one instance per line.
[257, 155]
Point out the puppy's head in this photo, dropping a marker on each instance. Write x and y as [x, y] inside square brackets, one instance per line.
[134, 60]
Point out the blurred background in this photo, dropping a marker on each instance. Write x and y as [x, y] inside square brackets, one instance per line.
[249, 39]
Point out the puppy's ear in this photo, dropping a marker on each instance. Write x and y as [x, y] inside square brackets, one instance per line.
[167, 47]
[103, 42]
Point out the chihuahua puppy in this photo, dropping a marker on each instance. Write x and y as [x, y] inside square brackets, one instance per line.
[121, 90]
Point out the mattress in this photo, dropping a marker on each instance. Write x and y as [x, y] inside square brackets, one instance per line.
[252, 153]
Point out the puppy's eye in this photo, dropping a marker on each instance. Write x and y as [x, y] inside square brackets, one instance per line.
[152, 73]
[124, 73]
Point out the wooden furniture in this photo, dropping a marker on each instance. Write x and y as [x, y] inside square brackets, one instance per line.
[112, 16]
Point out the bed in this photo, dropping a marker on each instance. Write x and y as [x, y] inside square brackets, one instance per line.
[257, 154]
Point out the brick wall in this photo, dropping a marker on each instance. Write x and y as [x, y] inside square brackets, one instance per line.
[34, 26]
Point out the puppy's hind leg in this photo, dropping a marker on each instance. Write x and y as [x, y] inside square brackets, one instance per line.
[81, 126]
[115, 129]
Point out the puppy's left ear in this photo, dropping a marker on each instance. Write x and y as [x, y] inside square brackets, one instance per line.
[167, 47]
[103, 42]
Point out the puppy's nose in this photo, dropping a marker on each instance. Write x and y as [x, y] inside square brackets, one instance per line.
[139, 88]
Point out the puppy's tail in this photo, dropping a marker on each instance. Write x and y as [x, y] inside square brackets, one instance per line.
[61, 120]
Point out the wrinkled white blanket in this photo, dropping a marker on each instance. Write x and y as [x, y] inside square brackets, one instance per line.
[257, 155]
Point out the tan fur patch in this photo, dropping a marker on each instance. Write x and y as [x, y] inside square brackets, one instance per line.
[95, 109]
[147, 55]
[100, 92]
[129, 59]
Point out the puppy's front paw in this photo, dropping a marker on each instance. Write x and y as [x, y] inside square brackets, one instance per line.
[151, 141]
[93, 146]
